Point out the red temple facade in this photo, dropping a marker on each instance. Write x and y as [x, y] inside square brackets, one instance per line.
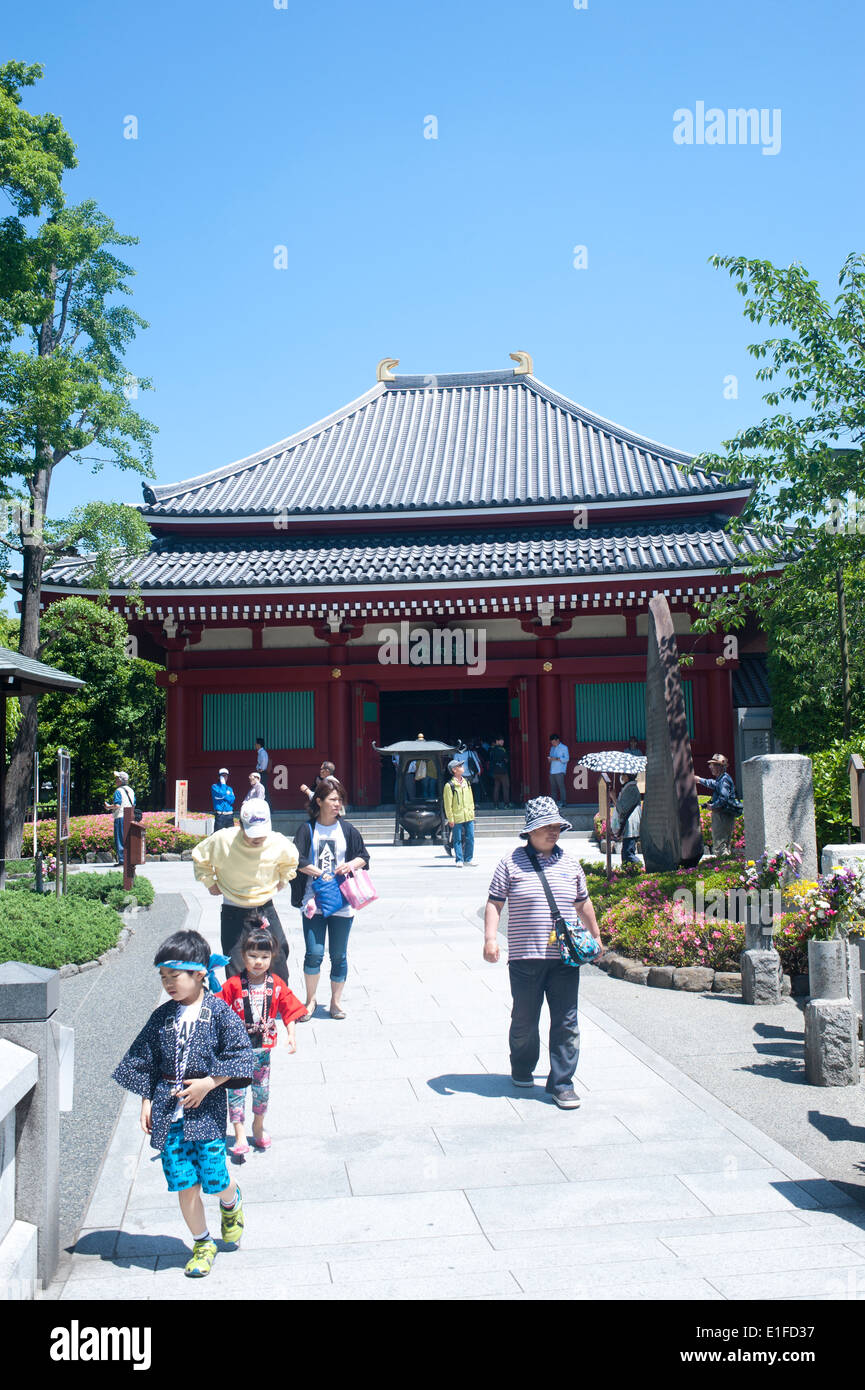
[469, 556]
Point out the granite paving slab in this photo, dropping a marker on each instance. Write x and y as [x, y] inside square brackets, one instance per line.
[405, 1166]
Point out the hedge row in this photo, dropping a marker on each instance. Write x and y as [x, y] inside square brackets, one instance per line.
[52, 932]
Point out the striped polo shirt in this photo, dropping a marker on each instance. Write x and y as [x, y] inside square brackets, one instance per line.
[530, 920]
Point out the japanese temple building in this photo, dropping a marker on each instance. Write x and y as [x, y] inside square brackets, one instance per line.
[467, 556]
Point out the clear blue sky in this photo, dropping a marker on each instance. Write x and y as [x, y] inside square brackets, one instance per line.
[304, 127]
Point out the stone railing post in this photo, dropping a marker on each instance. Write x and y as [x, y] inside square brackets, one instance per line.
[29, 996]
[19, 1072]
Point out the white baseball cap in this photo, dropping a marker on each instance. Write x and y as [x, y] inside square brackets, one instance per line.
[255, 818]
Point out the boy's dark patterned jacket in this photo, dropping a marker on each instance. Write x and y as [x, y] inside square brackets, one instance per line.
[219, 1047]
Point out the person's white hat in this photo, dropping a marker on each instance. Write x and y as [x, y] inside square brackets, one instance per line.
[255, 818]
[223, 769]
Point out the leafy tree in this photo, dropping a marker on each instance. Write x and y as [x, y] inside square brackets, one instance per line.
[116, 720]
[803, 462]
[63, 386]
[803, 657]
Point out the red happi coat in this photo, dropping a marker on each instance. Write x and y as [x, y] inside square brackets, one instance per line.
[282, 1003]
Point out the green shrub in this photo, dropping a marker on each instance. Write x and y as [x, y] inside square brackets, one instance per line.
[51, 931]
[832, 791]
[105, 887]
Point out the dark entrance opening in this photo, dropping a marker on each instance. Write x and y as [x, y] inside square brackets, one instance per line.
[454, 716]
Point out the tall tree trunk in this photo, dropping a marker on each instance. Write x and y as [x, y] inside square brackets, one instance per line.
[20, 770]
[844, 641]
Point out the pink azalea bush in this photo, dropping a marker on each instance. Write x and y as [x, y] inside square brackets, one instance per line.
[95, 835]
[668, 934]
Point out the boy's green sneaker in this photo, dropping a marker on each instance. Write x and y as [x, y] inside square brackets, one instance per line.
[203, 1255]
[232, 1221]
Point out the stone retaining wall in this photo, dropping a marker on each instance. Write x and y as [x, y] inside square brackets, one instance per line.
[694, 979]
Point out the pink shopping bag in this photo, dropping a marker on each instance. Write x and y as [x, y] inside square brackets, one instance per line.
[357, 888]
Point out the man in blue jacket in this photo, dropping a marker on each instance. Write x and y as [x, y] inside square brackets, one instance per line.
[725, 807]
[222, 796]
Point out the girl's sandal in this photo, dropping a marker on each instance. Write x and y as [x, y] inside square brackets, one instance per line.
[336, 1011]
[263, 1143]
[239, 1150]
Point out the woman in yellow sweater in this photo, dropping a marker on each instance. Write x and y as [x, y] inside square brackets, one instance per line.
[246, 866]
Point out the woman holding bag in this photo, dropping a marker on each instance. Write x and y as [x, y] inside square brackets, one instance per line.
[328, 846]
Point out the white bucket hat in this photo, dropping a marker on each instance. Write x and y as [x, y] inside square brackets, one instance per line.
[540, 812]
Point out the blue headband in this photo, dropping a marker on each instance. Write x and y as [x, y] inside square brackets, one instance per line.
[216, 960]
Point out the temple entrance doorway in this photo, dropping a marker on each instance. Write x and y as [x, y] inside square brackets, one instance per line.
[470, 716]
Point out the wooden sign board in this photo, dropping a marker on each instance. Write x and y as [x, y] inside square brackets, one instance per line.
[856, 768]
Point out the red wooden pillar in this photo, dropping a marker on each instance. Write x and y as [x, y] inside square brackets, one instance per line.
[528, 733]
[174, 734]
[339, 719]
[549, 709]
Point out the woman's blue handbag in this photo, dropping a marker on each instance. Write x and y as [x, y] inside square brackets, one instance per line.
[328, 898]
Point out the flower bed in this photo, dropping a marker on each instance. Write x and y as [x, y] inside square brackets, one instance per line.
[95, 835]
[660, 919]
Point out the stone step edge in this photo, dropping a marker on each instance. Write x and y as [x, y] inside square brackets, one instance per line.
[691, 979]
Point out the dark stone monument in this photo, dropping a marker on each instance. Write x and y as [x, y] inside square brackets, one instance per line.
[670, 833]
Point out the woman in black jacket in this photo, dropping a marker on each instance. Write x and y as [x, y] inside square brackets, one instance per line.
[328, 845]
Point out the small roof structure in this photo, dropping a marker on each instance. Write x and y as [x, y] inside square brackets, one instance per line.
[21, 675]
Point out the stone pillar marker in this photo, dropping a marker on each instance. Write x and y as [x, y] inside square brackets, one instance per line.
[778, 792]
[29, 996]
[670, 832]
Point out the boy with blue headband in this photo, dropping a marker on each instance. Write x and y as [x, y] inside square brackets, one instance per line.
[186, 1054]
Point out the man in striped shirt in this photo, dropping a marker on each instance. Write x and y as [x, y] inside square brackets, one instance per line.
[534, 962]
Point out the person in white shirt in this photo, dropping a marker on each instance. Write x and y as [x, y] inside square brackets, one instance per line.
[558, 760]
[262, 762]
[123, 796]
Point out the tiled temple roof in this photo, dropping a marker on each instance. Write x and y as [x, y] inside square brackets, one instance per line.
[427, 445]
[464, 555]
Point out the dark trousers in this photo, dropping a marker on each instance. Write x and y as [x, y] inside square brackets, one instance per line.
[223, 820]
[231, 925]
[531, 980]
[629, 850]
[501, 783]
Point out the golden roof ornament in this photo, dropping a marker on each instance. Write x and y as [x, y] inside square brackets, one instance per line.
[525, 366]
[384, 370]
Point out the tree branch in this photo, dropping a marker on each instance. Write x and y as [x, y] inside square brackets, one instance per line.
[59, 334]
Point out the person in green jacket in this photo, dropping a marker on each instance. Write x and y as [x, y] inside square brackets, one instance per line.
[460, 814]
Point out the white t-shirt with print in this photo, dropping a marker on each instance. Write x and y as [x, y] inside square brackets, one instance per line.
[328, 848]
[186, 1021]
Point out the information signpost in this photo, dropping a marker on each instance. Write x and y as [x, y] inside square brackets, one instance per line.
[64, 783]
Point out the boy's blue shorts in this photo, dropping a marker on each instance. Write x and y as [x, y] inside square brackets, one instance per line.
[188, 1162]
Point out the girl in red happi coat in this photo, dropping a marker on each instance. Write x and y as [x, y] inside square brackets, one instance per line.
[259, 999]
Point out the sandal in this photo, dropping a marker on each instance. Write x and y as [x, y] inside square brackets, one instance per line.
[239, 1150]
[336, 1011]
[263, 1143]
[304, 1018]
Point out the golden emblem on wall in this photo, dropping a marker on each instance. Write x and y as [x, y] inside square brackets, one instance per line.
[336, 673]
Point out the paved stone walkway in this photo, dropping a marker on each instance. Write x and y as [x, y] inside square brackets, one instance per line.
[405, 1166]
